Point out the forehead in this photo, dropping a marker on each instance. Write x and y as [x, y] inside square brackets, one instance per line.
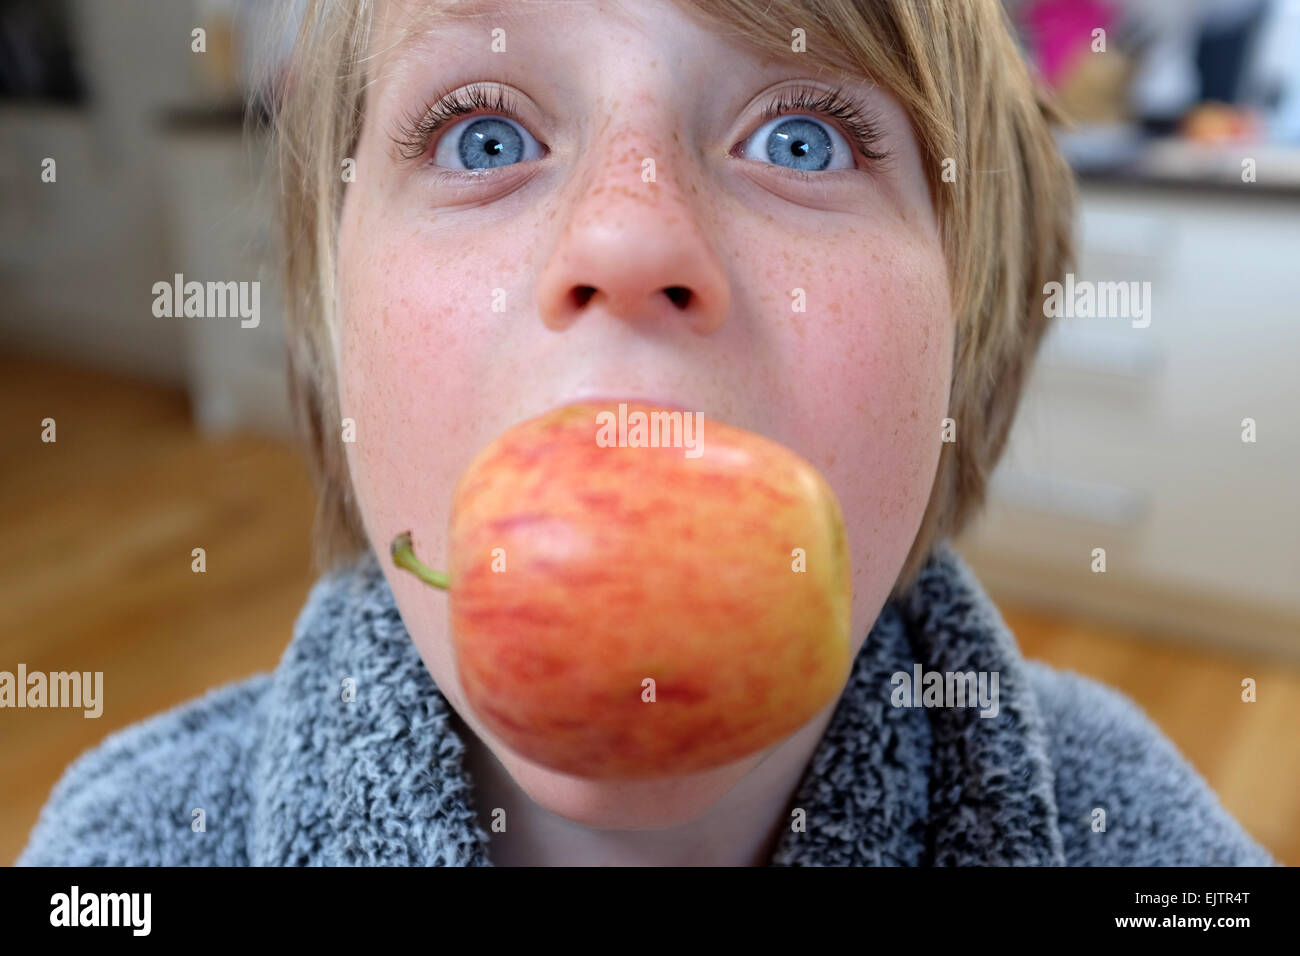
[403, 24]
[407, 20]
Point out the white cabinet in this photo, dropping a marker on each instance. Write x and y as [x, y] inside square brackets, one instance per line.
[1130, 439]
[221, 230]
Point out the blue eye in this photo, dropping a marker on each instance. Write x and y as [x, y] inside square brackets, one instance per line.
[801, 143]
[485, 134]
[485, 142]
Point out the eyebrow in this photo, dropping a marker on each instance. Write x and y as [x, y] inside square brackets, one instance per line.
[461, 13]
[436, 18]
[472, 9]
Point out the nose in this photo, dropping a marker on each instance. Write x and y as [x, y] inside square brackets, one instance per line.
[634, 250]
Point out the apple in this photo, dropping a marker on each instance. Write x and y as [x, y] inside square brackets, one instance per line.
[626, 611]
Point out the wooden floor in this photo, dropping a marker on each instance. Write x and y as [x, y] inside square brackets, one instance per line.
[95, 576]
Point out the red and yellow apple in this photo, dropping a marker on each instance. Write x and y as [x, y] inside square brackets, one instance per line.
[623, 612]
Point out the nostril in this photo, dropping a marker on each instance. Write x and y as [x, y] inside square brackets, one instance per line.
[679, 295]
[582, 294]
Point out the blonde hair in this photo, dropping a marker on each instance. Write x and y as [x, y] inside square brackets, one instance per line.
[1004, 220]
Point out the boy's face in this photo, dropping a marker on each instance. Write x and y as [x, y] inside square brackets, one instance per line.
[431, 372]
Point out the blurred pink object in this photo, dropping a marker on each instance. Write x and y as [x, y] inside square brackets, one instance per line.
[1062, 29]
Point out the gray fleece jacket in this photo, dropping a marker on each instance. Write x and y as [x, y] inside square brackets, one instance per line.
[289, 773]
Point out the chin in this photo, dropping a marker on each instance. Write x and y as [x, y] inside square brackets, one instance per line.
[629, 805]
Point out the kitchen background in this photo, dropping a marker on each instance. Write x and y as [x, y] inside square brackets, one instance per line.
[1186, 137]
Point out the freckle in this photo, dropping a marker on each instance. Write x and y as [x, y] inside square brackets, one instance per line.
[830, 459]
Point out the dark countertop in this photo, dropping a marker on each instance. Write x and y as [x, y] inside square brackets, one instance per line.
[1173, 164]
[1289, 189]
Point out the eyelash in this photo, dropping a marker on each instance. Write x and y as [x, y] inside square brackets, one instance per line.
[863, 126]
[415, 132]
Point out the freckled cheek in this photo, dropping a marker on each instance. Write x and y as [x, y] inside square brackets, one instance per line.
[882, 350]
[883, 367]
[407, 367]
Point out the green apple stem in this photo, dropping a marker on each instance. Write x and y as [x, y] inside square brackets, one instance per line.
[404, 557]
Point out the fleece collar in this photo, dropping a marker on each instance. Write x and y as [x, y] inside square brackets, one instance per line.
[379, 780]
